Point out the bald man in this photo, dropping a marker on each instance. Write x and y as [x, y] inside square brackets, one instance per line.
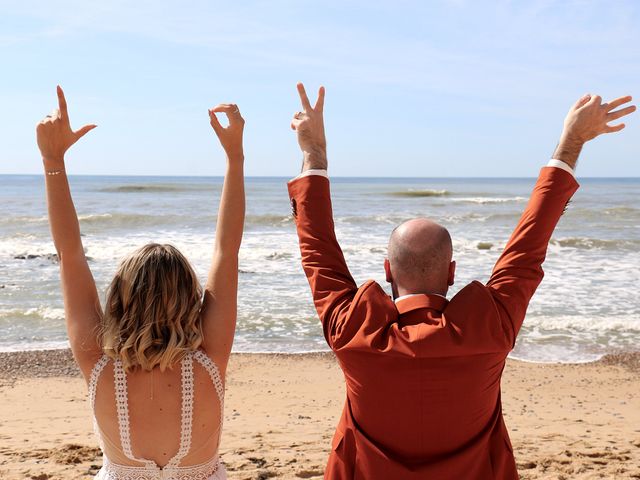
[422, 372]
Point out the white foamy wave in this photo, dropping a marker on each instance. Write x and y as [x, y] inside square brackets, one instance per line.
[604, 323]
[31, 346]
[550, 354]
[43, 312]
[21, 220]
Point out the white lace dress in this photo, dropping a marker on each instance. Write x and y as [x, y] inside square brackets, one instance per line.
[210, 470]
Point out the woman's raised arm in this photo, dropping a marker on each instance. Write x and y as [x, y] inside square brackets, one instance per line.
[81, 302]
[221, 290]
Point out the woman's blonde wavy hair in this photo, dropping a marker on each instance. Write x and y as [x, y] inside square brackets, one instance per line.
[152, 313]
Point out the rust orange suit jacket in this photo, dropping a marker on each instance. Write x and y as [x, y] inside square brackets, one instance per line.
[423, 376]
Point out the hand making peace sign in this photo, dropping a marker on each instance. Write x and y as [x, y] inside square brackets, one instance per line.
[309, 125]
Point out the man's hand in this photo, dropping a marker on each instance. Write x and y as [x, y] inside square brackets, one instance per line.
[230, 137]
[55, 136]
[309, 125]
[586, 120]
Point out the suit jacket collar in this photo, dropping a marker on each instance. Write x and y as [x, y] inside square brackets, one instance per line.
[415, 302]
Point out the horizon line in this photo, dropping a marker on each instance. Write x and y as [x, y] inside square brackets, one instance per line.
[294, 176]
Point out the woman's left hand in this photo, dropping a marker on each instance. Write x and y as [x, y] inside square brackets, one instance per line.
[55, 136]
[231, 136]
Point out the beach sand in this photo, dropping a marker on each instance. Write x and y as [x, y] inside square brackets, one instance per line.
[566, 421]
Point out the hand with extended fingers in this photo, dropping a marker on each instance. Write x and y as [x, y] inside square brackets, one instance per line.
[55, 136]
[231, 136]
[587, 119]
[309, 125]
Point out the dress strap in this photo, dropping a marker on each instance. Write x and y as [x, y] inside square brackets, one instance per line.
[187, 411]
[214, 372]
[93, 380]
[122, 404]
[210, 366]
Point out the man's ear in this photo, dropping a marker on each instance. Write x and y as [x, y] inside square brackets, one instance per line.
[387, 270]
[452, 273]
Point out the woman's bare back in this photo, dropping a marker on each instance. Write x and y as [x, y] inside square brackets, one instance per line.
[182, 404]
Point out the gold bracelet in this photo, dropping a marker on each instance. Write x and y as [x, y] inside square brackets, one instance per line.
[54, 172]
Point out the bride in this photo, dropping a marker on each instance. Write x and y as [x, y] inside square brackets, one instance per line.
[155, 358]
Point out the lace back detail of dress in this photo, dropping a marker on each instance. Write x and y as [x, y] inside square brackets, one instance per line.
[210, 366]
[187, 411]
[93, 380]
[151, 470]
[122, 405]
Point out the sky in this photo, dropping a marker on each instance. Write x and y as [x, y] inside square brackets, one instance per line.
[414, 88]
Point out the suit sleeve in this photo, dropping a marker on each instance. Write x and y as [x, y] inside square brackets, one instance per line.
[518, 272]
[332, 286]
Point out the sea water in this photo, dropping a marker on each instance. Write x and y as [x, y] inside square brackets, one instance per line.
[587, 304]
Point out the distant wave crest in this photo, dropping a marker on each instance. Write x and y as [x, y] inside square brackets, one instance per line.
[488, 200]
[596, 243]
[421, 193]
[154, 188]
[268, 220]
[479, 198]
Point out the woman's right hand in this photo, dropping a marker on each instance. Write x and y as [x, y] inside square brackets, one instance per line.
[231, 136]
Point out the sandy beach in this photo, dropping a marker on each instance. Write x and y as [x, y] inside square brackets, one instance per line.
[567, 421]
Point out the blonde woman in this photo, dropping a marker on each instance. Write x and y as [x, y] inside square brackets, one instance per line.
[155, 359]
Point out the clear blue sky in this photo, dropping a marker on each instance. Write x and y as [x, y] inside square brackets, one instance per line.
[414, 88]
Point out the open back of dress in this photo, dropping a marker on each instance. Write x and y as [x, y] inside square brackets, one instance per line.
[145, 469]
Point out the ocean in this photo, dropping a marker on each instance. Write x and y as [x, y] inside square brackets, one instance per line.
[586, 306]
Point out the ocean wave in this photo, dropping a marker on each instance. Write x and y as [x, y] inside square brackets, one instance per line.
[138, 220]
[117, 219]
[489, 200]
[596, 243]
[597, 213]
[538, 327]
[30, 345]
[621, 211]
[420, 193]
[111, 219]
[156, 188]
[477, 198]
[22, 220]
[45, 313]
[268, 220]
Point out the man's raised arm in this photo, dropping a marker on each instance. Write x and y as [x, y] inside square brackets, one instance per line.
[332, 286]
[518, 271]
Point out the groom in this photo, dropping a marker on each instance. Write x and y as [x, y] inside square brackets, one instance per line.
[423, 372]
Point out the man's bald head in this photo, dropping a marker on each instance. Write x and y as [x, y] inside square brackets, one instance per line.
[420, 253]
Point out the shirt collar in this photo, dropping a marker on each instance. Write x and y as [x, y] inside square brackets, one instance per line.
[415, 301]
